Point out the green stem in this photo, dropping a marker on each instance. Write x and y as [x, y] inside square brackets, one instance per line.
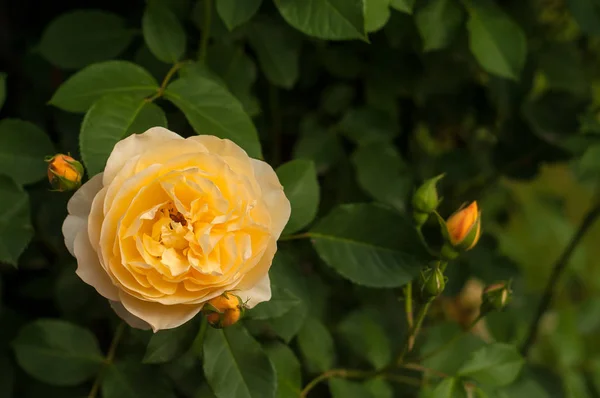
[557, 271]
[205, 29]
[425, 244]
[166, 80]
[110, 356]
[412, 335]
[408, 306]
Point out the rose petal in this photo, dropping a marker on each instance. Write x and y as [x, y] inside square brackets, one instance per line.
[134, 145]
[70, 228]
[259, 293]
[81, 201]
[261, 269]
[128, 317]
[159, 316]
[89, 268]
[272, 192]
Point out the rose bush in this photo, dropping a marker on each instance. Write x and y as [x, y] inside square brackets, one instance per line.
[172, 223]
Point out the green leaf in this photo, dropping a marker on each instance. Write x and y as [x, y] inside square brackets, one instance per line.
[234, 12]
[82, 37]
[337, 98]
[238, 72]
[287, 367]
[406, 6]
[587, 14]
[369, 245]
[449, 388]
[23, 147]
[497, 364]
[236, 366]
[299, 180]
[366, 337]
[105, 124]
[316, 345]
[15, 224]
[211, 109]
[163, 33]
[278, 51]
[281, 302]
[496, 41]
[325, 19]
[85, 87]
[438, 22]
[382, 173]
[341, 388]
[377, 13]
[379, 388]
[57, 352]
[366, 125]
[133, 380]
[2, 89]
[166, 345]
[151, 115]
[319, 144]
[7, 377]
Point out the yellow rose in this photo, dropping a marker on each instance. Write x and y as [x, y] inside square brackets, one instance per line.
[173, 223]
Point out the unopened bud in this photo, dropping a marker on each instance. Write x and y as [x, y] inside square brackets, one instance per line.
[495, 297]
[224, 310]
[64, 172]
[462, 230]
[433, 283]
[425, 200]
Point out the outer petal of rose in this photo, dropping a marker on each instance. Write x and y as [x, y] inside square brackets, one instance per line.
[134, 145]
[259, 293]
[79, 207]
[157, 315]
[89, 268]
[221, 147]
[272, 193]
[261, 270]
[128, 317]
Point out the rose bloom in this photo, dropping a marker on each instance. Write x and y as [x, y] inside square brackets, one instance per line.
[172, 223]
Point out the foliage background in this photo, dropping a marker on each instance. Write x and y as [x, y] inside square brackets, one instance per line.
[355, 102]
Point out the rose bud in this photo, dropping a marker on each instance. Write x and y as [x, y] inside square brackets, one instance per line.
[495, 297]
[433, 283]
[224, 310]
[64, 173]
[461, 231]
[425, 200]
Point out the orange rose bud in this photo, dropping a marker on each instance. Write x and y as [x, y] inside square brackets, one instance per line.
[224, 310]
[464, 227]
[64, 172]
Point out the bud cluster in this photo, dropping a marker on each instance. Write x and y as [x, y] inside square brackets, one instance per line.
[224, 310]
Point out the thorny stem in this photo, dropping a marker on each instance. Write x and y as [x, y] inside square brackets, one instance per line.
[557, 271]
[110, 356]
[205, 29]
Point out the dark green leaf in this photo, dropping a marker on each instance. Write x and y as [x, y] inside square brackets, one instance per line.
[20, 159]
[278, 51]
[234, 12]
[341, 388]
[366, 125]
[7, 377]
[163, 33]
[15, 226]
[325, 19]
[84, 88]
[379, 388]
[364, 334]
[151, 115]
[82, 37]
[377, 13]
[211, 109]
[382, 173]
[166, 345]
[403, 5]
[438, 22]
[236, 366]
[319, 144]
[316, 345]
[497, 364]
[358, 234]
[449, 388]
[287, 367]
[336, 98]
[133, 380]
[299, 180]
[496, 41]
[587, 14]
[105, 124]
[281, 302]
[57, 352]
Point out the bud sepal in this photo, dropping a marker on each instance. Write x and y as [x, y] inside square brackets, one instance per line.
[433, 282]
[425, 200]
[496, 297]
